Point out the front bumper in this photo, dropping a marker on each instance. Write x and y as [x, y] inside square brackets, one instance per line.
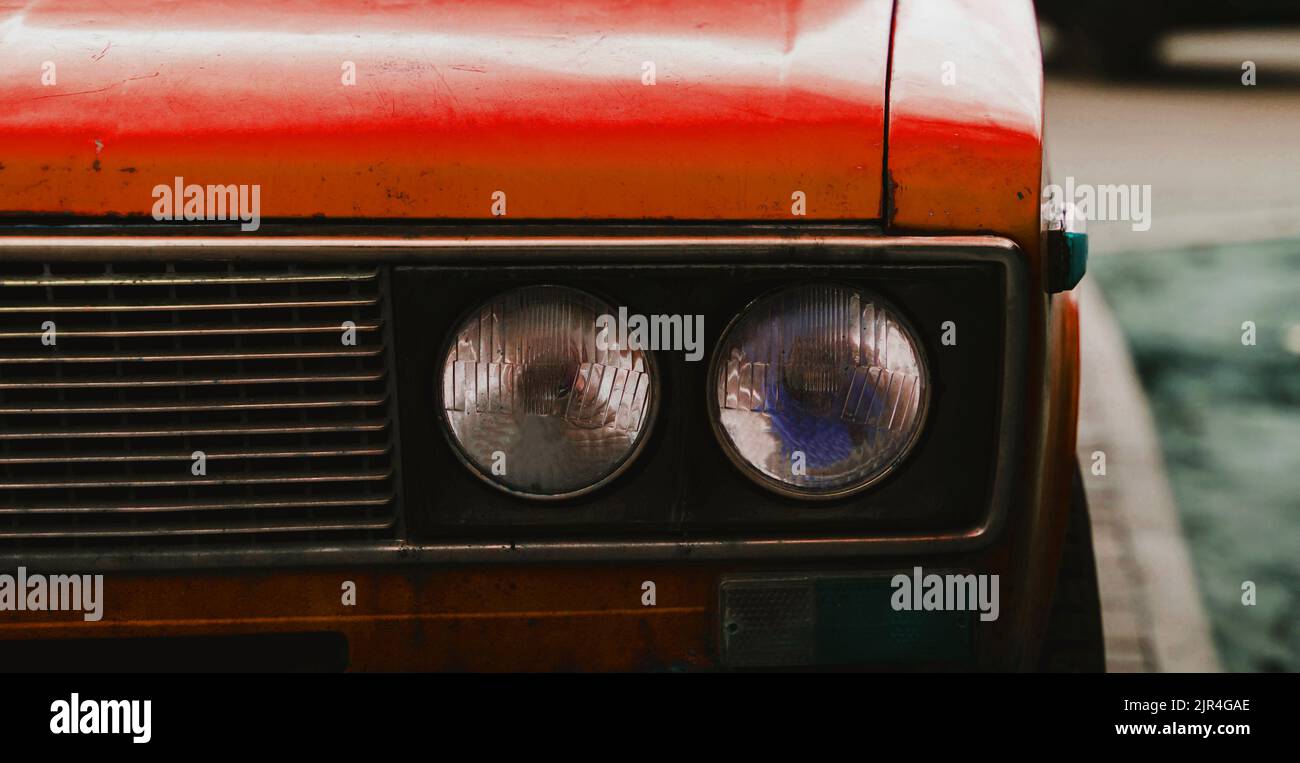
[552, 618]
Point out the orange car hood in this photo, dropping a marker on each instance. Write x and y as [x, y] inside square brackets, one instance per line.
[586, 109]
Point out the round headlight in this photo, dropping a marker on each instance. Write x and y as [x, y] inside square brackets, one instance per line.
[536, 403]
[818, 390]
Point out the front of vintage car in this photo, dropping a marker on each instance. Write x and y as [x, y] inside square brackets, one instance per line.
[512, 336]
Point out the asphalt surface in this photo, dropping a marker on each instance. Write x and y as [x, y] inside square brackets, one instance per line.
[1222, 158]
[1220, 468]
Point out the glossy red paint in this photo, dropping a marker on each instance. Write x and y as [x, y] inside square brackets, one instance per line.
[966, 118]
[453, 101]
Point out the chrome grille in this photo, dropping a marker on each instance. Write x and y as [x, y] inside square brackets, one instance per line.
[150, 363]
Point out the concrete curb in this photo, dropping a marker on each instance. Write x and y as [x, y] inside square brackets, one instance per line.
[1152, 616]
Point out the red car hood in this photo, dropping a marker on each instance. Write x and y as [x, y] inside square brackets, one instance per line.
[547, 101]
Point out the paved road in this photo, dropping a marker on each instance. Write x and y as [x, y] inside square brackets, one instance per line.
[1153, 618]
[1223, 163]
[1222, 159]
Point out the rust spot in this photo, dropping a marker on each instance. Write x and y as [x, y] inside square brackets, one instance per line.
[891, 188]
[127, 169]
[96, 165]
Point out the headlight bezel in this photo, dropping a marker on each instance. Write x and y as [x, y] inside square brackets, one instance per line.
[731, 451]
[683, 482]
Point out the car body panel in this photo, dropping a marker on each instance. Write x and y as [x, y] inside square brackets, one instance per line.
[452, 103]
[965, 154]
[966, 119]
[548, 104]
[552, 618]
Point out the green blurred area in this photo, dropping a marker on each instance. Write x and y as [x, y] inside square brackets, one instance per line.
[1229, 422]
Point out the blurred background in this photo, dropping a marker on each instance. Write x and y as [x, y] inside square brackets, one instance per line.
[1202, 432]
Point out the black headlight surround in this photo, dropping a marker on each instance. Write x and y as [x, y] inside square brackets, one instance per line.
[682, 485]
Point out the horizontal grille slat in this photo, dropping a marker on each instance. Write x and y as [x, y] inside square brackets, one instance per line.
[209, 330]
[176, 279]
[195, 406]
[200, 529]
[171, 455]
[197, 381]
[175, 357]
[250, 479]
[155, 403]
[380, 499]
[31, 434]
[181, 306]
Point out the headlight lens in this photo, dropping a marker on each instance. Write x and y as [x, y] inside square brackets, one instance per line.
[818, 390]
[531, 402]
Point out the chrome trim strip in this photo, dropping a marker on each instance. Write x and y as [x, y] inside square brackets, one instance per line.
[849, 244]
[479, 248]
